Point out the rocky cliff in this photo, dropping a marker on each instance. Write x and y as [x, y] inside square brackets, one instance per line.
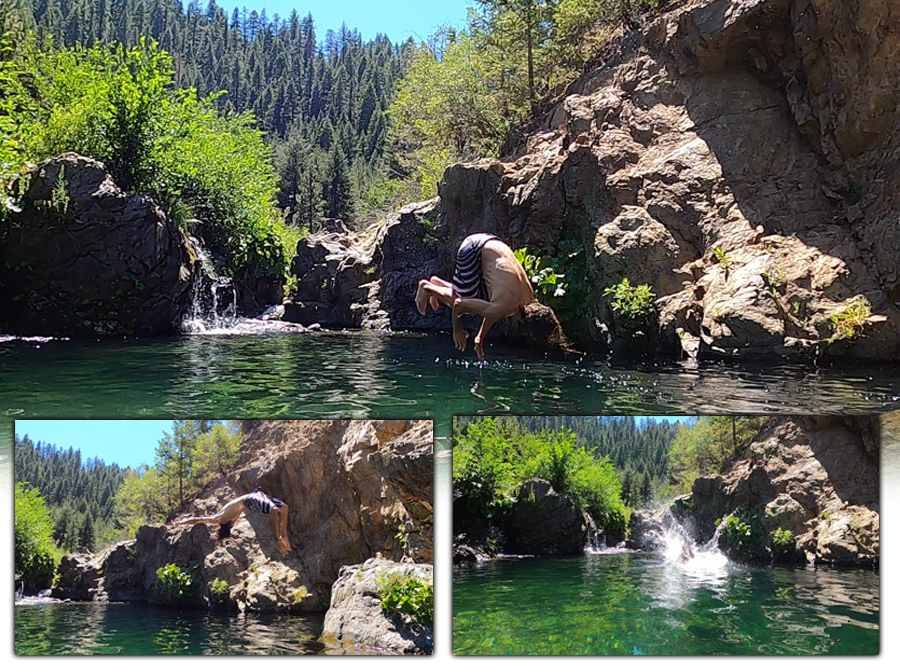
[737, 156]
[83, 258]
[816, 477]
[355, 490]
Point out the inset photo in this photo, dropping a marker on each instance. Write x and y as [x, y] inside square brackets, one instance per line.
[145, 537]
[666, 535]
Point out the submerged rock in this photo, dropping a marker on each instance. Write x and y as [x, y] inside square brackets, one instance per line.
[356, 620]
[83, 258]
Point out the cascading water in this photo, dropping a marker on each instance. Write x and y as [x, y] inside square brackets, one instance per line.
[213, 308]
[213, 299]
[679, 549]
[596, 541]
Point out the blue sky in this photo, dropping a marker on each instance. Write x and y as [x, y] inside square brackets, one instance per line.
[397, 19]
[127, 443]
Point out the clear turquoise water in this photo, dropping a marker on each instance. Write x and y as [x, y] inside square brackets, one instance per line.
[318, 375]
[123, 629]
[640, 605]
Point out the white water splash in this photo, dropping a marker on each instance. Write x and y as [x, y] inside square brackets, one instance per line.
[699, 560]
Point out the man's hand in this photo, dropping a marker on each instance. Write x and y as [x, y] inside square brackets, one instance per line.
[479, 347]
[460, 338]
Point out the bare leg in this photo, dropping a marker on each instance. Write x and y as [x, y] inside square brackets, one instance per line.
[432, 293]
[278, 523]
[282, 526]
[231, 511]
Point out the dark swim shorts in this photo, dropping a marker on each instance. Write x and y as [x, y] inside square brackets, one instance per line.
[468, 282]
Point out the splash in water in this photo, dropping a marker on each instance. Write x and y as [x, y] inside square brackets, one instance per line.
[680, 549]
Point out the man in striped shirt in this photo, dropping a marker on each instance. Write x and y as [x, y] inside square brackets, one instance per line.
[488, 281]
[255, 501]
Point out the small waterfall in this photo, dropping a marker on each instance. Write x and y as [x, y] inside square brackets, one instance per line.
[214, 300]
[596, 540]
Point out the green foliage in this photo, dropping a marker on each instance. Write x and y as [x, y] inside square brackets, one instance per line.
[187, 458]
[181, 581]
[702, 447]
[119, 106]
[36, 554]
[299, 595]
[492, 456]
[547, 284]
[783, 543]
[723, 258]
[848, 323]
[218, 590]
[80, 494]
[444, 111]
[571, 299]
[738, 538]
[411, 598]
[633, 307]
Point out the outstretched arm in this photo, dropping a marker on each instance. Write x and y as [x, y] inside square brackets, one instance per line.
[481, 336]
[460, 335]
[231, 511]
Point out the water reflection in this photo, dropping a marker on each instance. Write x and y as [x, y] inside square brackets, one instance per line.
[636, 604]
[116, 629]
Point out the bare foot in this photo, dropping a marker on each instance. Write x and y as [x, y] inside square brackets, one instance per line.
[422, 298]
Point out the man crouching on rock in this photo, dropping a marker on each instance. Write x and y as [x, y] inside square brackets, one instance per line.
[488, 281]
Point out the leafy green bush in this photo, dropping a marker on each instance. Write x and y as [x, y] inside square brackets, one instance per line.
[181, 581]
[848, 324]
[740, 539]
[36, 554]
[632, 306]
[411, 598]
[218, 590]
[561, 280]
[783, 541]
[491, 458]
[545, 281]
[120, 107]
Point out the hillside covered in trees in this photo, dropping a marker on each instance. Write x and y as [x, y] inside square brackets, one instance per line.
[92, 504]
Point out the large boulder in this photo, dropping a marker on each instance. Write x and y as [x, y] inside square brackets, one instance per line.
[542, 522]
[812, 476]
[351, 280]
[356, 620]
[735, 156]
[84, 258]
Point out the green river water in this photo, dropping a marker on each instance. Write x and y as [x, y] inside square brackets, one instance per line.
[141, 630]
[319, 375]
[634, 604]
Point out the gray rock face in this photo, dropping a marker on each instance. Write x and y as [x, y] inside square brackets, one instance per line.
[737, 157]
[83, 258]
[810, 475]
[350, 280]
[355, 619]
[545, 523]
